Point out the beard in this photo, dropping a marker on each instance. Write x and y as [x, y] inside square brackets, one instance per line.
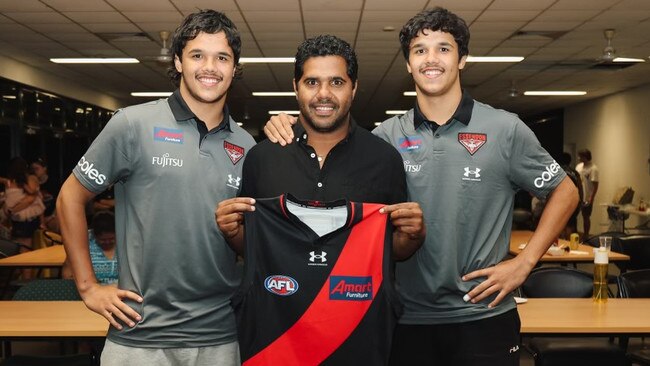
[330, 126]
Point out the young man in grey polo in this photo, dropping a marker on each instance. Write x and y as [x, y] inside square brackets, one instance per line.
[171, 161]
[464, 161]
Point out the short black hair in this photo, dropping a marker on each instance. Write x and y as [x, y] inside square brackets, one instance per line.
[585, 154]
[436, 19]
[207, 21]
[103, 222]
[326, 45]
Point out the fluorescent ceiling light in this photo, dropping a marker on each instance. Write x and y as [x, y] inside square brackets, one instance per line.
[274, 94]
[556, 93]
[8, 97]
[267, 60]
[410, 93]
[377, 123]
[285, 112]
[240, 124]
[627, 59]
[494, 58]
[151, 94]
[396, 111]
[95, 60]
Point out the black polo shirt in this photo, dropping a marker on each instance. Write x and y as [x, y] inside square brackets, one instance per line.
[361, 168]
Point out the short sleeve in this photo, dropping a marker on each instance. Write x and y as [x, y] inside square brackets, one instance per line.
[531, 166]
[108, 159]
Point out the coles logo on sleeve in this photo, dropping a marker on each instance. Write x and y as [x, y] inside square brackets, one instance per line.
[351, 288]
[281, 285]
[168, 135]
[472, 141]
[234, 152]
[88, 169]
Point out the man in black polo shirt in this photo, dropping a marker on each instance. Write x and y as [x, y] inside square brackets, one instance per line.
[332, 158]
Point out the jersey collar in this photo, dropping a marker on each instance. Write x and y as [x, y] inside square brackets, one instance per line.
[182, 112]
[462, 114]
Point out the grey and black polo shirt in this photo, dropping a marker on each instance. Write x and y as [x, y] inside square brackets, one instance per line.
[464, 175]
[168, 178]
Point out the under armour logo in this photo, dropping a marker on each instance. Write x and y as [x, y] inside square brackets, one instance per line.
[233, 181]
[321, 257]
[474, 172]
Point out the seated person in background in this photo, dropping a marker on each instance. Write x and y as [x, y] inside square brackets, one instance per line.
[101, 239]
[49, 189]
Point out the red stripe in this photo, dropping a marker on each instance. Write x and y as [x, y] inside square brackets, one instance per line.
[326, 324]
[283, 201]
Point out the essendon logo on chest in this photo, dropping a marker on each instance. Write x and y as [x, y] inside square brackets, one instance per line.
[472, 141]
[350, 288]
[234, 152]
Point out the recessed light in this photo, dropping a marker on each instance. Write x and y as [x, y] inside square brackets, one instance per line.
[266, 60]
[410, 93]
[396, 111]
[151, 94]
[628, 59]
[553, 93]
[95, 60]
[274, 94]
[285, 112]
[494, 58]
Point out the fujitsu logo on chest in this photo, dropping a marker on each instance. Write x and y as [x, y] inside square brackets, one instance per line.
[166, 161]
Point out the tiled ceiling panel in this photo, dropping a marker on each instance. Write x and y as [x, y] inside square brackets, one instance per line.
[32, 31]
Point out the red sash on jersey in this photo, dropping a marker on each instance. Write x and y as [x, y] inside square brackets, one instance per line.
[326, 324]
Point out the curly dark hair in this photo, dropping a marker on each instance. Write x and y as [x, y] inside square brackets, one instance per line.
[207, 21]
[436, 19]
[326, 45]
[585, 154]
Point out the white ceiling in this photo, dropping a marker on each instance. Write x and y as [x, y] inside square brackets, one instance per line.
[32, 31]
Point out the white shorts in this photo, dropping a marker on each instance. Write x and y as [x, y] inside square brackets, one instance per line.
[222, 355]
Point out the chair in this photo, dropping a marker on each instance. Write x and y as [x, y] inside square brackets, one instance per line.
[567, 282]
[67, 360]
[8, 248]
[48, 290]
[636, 284]
[638, 248]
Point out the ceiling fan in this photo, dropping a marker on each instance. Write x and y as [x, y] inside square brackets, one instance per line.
[607, 60]
[165, 55]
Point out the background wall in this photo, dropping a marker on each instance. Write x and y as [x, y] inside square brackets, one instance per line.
[28, 75]
[616, 129]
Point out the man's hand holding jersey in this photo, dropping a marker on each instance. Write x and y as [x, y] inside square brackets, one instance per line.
[229, 216]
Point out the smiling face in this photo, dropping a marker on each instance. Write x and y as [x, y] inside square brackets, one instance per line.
[207, 68]
[324, 93]
[434, 63]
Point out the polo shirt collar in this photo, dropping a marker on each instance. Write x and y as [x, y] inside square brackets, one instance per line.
[182, 112]
[300, 132]
[463, 112]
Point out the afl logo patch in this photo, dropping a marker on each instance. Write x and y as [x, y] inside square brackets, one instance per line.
[281, 285]
[234, 152]
[472, 141]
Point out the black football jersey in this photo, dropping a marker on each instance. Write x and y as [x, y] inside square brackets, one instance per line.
[310, 298]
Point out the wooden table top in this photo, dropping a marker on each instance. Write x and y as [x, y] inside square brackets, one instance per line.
[584, 254]
[53, 256]
[538, 316]
[49, 319]
[584, 316]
